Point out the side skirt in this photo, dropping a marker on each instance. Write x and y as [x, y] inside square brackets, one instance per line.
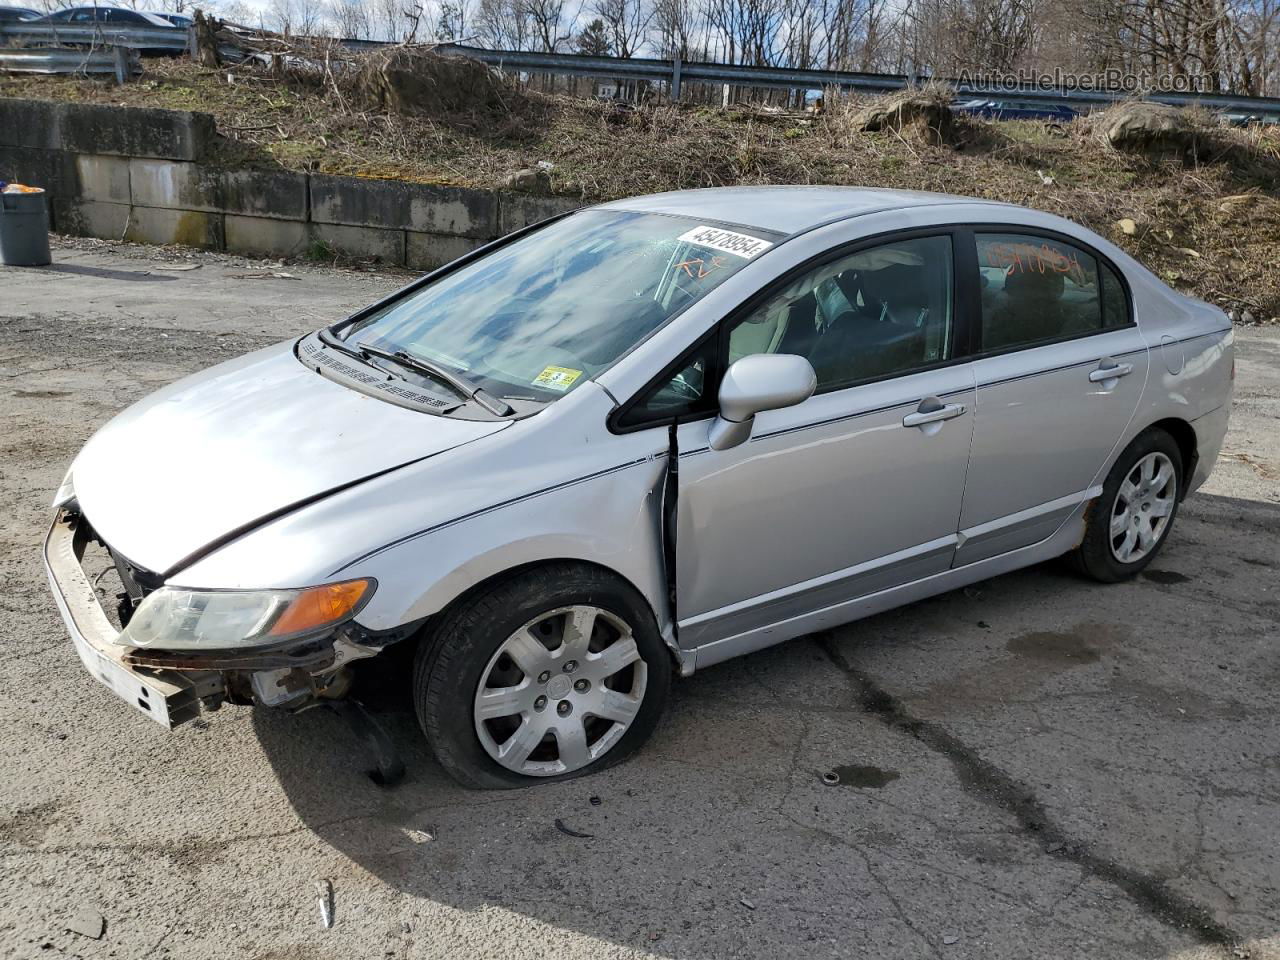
[1064, 539]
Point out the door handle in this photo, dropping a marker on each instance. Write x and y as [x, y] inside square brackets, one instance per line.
[1114, 372]
[923, 417]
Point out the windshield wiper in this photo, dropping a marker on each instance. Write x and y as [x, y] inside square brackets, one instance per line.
[463, 386]
[329, 340]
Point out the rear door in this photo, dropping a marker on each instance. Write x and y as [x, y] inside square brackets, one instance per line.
[1061, 367]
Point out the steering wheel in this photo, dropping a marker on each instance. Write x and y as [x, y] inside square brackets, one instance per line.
[683, 388]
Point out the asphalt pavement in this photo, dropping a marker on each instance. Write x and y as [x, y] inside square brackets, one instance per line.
[1035, 766]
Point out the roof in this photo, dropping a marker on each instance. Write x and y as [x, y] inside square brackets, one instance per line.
[783, 209]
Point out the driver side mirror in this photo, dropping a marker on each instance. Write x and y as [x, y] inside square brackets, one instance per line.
[763, 381]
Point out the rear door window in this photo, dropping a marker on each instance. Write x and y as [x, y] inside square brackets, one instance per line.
[1039, 290]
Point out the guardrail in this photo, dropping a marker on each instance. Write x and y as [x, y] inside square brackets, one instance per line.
[673, 73]
[676, 72]
[118, 60]
[175, 39]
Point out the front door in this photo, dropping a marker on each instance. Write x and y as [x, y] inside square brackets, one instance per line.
[857, 489]
[1060, 373]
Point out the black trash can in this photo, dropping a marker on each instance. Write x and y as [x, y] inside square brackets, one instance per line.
[24, 229]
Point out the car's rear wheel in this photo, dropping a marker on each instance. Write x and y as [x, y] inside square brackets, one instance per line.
[1127, 525]
[549, 674]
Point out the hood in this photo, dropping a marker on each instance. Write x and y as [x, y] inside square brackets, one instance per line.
[220, 451]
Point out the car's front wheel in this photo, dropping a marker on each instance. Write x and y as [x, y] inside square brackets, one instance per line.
[1126, 526]
[549, 674]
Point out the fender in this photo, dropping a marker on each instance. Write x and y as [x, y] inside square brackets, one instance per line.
[430, 532]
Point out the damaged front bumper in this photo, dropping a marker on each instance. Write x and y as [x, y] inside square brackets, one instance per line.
[172, 687]
[168, 697]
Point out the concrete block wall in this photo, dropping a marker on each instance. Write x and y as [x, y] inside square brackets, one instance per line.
[144, 176]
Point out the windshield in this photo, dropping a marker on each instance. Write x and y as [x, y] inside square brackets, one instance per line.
[545, 313]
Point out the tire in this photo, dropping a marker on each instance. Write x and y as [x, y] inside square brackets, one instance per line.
[536, 618]
[1102, 554]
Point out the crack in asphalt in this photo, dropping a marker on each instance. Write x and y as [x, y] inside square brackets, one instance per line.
[987, 782]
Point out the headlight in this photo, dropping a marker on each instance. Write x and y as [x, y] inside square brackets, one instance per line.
[66, 492]
[173, 618]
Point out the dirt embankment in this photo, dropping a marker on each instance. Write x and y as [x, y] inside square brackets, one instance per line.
[1206, 217]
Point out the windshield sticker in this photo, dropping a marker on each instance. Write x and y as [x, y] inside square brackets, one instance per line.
[726, 241]
[559, 379]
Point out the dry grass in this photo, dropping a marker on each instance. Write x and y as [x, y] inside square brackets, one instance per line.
[1211, 228]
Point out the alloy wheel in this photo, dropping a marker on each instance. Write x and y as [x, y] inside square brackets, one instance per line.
[560, 692]
[1143, 507]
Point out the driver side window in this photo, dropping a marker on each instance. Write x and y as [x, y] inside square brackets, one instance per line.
[876, 313]
[879, 312]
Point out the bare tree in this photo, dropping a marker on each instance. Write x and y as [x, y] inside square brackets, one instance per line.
[548, 24]
[418, 20]
[235, 11]
[351, 18]
[502, 24]
[1252, 45]
[674, 23]
[805, 38]
[452, 20]
[387, 19]
[946, 36]
[1229, 45]
[1209, 44]
[303, 18]
[627, 23]
[870, 54]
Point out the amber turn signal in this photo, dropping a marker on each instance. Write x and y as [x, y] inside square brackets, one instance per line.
[318, 607]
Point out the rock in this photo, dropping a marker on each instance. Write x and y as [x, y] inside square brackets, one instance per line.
[529, 180]
[88, 923]
[1127, 226]
[324, 894]
[1238, 202]
[411, 80]
[1153, 129]
[924, 113]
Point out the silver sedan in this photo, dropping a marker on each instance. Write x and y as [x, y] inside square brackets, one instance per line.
[633, 442]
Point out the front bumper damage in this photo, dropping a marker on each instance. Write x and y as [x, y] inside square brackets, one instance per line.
[167, 697]
[173, 687]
